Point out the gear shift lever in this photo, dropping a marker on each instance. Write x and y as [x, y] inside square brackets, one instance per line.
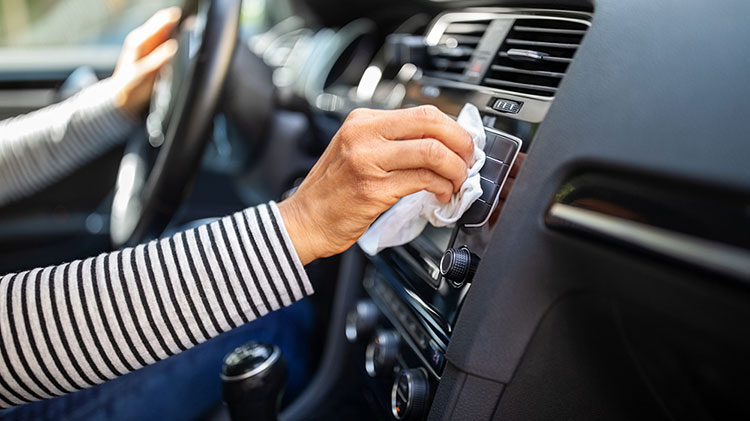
[253, 377]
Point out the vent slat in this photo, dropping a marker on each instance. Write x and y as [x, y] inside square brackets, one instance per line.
[551, 23]
[524, 42]
[521, 28]
[504, 54]
[461, 39]
[499, 68]
[466, 28]
[527, 86]
[446, 64]
[445, 75]
[457, 52]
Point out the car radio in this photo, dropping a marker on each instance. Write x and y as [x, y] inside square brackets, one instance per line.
[416, 291]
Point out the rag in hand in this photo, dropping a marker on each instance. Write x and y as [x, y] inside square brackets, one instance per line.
[408, 217]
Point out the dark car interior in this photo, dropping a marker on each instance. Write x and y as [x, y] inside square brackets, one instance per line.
[611, 284]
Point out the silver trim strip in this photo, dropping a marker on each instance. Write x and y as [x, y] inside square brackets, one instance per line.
[712, 255]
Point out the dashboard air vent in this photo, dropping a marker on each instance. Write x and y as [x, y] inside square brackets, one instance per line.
[535, 55]
[452, 53]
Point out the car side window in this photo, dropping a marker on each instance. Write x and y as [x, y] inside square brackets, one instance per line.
[62, 34]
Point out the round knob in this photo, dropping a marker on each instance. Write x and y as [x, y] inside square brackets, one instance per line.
[361, 321]
[381, 353]
[253, 377]
[410, 393]
[458, 265]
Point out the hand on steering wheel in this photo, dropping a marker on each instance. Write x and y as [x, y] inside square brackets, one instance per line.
[151, 188]
[146, 49]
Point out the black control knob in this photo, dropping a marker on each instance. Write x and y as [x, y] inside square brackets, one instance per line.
[361, 321]
[381, 353]
[458, 265]
[253, 378]
[410, 394]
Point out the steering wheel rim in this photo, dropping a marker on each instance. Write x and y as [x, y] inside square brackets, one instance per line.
[147, 197]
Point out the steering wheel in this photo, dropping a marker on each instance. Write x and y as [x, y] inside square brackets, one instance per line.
[155, 177]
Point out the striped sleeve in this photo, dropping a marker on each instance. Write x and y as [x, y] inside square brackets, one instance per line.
[68, 327]
[41, 147]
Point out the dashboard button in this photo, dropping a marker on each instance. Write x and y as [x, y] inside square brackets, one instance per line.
[361, 321]
[506, 106]
[492, 169]
[436, 357]
[477, 213]
[458, 265]
[503, 149]
[381, 353]
[489, 190]
[410, 394]
[489, 141]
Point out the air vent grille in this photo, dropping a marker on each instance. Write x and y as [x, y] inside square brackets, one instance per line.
[452, 53]
[535, 55]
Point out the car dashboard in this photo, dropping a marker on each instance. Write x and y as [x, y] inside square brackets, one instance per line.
[611, 283]
[509, 63]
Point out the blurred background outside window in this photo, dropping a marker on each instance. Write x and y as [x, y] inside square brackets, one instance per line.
[61, 34]
[40, 23]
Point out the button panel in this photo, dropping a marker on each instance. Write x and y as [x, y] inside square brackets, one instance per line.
[501, 150]
[492, 168]
[489, 189]
[504, 149]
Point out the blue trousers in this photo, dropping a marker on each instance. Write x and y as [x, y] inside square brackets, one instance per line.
[186, 386]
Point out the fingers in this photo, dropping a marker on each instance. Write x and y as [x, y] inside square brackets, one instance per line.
[145, 38]
[424, 153]
[157, 58]
[423, 122]
[406, 182]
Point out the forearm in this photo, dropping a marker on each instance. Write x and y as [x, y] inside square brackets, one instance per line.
[42, 147]
[72, 326]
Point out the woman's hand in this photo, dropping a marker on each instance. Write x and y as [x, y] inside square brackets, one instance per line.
[376, 158]
[146, 49]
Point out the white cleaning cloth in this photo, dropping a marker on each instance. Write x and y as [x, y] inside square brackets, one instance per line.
[409, 216]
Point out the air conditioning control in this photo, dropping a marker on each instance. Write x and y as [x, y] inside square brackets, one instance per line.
[361, 321]
[381, 353]
[458, 265]
[410, 394]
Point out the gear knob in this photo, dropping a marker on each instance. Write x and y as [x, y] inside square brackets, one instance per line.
[253, 378]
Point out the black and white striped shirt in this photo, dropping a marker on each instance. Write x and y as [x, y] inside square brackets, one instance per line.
[41, 147]
[68, 327]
